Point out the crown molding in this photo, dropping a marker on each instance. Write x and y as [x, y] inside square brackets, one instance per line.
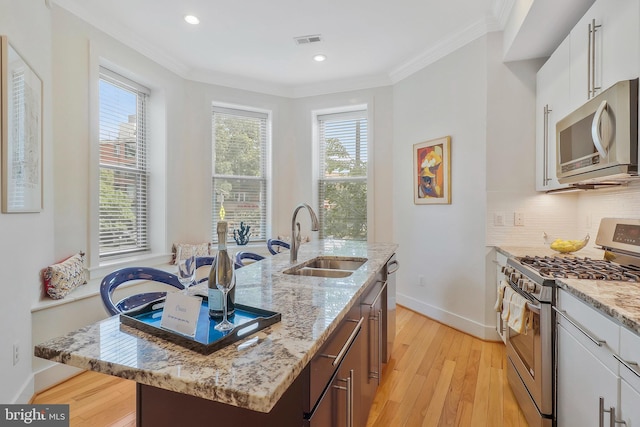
[285, 91]
[501, 11]
[443, 48]
[124, 35]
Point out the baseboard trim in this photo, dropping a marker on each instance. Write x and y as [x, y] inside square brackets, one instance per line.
[26, 392]
[469, 326]
[53, 375]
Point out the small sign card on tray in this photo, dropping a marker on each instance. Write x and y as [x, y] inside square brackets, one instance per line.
[181, 313]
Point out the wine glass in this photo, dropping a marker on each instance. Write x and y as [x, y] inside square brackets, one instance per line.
[225, 281]
[186, 262]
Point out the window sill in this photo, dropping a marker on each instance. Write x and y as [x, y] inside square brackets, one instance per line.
[92, 287]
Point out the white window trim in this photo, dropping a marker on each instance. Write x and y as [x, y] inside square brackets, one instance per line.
[268, 158]
[315, 133]
[156, 162]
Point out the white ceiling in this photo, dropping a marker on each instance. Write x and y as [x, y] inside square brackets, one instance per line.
[250, 43]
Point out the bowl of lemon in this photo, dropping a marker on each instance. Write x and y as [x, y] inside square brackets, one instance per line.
[566, 246]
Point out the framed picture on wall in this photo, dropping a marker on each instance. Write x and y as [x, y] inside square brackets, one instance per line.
[432, 172]
[21, 132]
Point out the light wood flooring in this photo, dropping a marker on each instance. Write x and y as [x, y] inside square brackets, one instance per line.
[437, 376]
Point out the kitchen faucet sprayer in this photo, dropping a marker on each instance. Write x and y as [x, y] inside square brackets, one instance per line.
[295, 234]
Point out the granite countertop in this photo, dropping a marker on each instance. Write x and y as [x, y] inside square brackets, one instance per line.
[252, 376]
[619, 300]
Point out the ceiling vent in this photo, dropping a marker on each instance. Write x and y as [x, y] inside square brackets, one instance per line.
[308, 39]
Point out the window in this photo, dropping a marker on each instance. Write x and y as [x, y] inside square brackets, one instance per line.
[123, 217]
[240, 170]
[342, 184]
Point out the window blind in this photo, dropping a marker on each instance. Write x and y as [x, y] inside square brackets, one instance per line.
[239, 178]
[123, 166]
[342, 184]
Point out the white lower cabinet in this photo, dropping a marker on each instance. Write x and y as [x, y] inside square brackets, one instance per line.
[629, 405]
[589, 347]
[582, 381]
[630, 378]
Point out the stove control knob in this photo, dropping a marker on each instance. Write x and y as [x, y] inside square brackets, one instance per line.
[530, 286]
[515, 277]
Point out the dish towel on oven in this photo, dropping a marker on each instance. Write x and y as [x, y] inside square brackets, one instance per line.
[501, 288]
[515, 311]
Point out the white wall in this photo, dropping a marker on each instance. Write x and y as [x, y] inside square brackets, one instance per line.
[444, 243]
[27, 239]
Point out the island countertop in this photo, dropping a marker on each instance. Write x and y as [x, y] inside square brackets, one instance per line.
[248, 376]
[619, 300]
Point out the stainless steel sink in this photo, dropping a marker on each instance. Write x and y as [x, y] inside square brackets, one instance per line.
[320, 272]
[326, 266]
[350, 264]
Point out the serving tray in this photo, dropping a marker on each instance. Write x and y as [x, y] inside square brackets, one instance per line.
[247, 320]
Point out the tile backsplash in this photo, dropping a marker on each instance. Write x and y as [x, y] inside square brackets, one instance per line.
[569, 215]
[618, 202]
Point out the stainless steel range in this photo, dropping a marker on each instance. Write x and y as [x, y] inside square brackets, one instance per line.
[531, 356]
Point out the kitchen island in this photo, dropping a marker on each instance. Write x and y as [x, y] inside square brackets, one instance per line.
[260, 374]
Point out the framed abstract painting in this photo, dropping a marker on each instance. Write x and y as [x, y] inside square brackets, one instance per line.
[432, 172]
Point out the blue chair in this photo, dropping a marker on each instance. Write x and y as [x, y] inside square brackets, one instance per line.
[203, 261]
[279, 244]
[241, 256]
[112, 280]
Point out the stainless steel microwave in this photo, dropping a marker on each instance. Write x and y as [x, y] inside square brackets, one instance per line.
[599, 140]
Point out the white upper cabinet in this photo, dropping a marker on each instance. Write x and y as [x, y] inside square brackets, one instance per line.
[552, 101]
[586, 63]
[604, 48]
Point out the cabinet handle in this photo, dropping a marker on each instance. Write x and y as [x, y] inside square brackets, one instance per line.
[612, 415]
[379, 320]
[349, 396]
[627, 364]
[594, 340]
[591, 60]
[375, 337]
[375, 300]
[350, 399]
[338, 358]
[601, 412]
[395, 264]
[545, 156]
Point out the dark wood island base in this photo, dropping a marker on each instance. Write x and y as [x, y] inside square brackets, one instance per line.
[157, 407]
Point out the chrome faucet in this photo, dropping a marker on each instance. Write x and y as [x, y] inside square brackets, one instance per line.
[295, 234]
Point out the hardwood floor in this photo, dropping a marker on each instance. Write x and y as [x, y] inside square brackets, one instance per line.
[437, 376]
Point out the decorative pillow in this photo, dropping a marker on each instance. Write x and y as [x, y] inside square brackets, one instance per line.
[200, 249]
[65, 276]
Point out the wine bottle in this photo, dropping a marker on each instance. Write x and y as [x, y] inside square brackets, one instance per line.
[221, 268]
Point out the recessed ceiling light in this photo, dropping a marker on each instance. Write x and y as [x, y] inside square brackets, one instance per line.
[191, 19]
[319, 57]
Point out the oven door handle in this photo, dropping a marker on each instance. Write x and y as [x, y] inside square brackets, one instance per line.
[534, 308]
[596, 341]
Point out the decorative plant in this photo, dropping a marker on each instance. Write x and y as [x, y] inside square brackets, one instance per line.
[241, 235]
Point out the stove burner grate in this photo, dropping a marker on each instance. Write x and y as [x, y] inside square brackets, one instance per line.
[581, 268]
